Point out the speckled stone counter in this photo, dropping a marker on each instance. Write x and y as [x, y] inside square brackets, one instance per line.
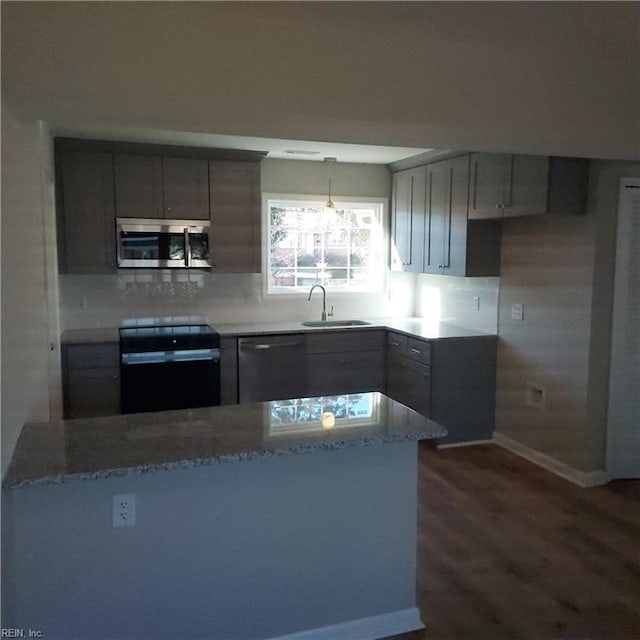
[53, 453]
[415, 327]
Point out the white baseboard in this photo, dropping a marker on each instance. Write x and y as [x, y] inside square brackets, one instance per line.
[582, 479]
[465, 444]
[371, 628]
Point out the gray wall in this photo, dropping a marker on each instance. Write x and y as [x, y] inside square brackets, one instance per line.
[253, 549]
[561, 268]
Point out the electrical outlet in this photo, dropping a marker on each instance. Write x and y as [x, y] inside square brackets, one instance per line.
[517, 311]
[476, 303]
[124, 510]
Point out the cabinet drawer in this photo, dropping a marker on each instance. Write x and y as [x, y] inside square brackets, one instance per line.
[419, 350]
[92, 356]
[397, 343]
[344, 341]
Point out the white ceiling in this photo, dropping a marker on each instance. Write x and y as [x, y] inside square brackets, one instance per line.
[276, 148]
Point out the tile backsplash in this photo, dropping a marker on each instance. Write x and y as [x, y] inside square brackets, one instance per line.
[88, 301]
[465, 302]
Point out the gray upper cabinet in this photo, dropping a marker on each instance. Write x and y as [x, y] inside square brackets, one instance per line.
[408, 220]
[186, 188]
[453, 245]
[99, 181]
[506, 186]
[235, 217]
[85, 211]
[161, 187]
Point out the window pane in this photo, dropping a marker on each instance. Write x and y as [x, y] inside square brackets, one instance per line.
[341, 248]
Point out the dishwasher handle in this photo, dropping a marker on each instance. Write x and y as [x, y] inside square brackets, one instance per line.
[262, 346]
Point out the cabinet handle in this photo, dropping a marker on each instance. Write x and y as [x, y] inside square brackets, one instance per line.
[415, 350]
[395, 344]
[169, 209]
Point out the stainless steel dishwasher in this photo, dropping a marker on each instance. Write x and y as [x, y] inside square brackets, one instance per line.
[272, 367]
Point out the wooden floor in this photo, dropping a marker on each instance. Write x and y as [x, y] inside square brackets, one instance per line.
[508, 550]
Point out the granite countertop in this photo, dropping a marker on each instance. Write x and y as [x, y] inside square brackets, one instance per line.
[94, 448]
[414, 327]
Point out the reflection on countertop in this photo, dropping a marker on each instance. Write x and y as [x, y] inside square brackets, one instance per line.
[84, 449]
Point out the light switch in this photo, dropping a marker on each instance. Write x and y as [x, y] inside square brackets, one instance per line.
[517, 311]
[476, 303]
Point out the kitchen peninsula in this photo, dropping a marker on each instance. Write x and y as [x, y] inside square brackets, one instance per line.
[236, 533]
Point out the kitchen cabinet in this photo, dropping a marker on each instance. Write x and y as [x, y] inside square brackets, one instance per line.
[235, 217]
[85, 212]
[345, 362]
[511, 185]
[97, 181]
[228, 370]
[150, 186]
[451, 381]
[91, 380]
[272, 367]
[408, 219]
[408, 372]
[463, 387]
[454, 245]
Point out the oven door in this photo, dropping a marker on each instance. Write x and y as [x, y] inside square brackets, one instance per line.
[162, 244]
[164, 380]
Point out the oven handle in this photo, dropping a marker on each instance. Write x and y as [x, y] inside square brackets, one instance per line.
[162, 357]
[187, 247]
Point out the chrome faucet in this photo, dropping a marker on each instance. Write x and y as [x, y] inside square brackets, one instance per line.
[324, 300]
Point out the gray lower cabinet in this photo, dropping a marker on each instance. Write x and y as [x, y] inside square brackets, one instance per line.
[408, 372]
[463, 387]
[229, 370]
[451, 381]
[91, 380]
[345, 362]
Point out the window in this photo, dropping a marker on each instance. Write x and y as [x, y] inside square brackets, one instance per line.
[307, 245]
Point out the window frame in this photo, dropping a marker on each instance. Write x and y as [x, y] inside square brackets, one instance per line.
[382, 203]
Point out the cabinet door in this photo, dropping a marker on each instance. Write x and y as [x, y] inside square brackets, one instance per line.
[418, 389]
[138, 185]
[437, 217]
[396, 376]
[464, 369]
[91, 393]
[86, 217]
[228, 371]
[489, 175]
[456, 222]
[185, 188]
[409, 216]
[235, 217]
[527, 188]
[350, 372]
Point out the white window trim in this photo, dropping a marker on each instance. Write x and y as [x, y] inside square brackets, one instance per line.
[384, 204]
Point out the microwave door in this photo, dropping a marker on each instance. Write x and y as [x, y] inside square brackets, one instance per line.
[198, 248]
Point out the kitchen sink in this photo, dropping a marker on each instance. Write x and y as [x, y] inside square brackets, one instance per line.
[336, 323]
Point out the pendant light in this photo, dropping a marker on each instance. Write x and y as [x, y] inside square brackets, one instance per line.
[329, 206]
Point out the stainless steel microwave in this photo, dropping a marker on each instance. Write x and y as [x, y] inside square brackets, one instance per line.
[146, 243]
